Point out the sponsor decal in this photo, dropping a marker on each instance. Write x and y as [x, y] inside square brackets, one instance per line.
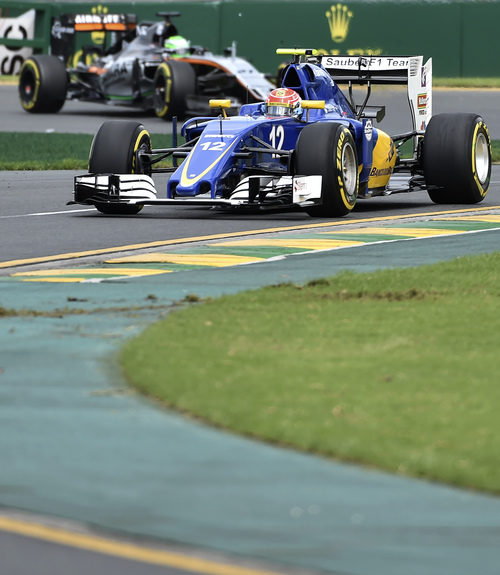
[280, 92]
[98, 21]
[230, 136]
[119, 70]
[421, 101]
[368, 130]
[347, 199]
[383, 63]
[20, 28]
[58, 30]
[423, 76]
[382, 172]
[392, 151]
[299, 186]
[304, 188]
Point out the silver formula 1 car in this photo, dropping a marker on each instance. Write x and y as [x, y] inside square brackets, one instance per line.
[149, 66]
[321, 157]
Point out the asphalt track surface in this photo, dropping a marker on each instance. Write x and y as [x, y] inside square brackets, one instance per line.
[85, 118]
[94, 478]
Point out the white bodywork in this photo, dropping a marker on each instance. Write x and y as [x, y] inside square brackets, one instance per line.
[123, 186]
[140, 189]
[248, 76]
[304, 188]
[409, 70]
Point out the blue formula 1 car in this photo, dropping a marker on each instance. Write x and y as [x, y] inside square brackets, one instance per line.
[309, 146]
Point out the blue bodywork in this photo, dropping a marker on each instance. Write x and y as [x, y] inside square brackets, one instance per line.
[321, 160]
[225, 150]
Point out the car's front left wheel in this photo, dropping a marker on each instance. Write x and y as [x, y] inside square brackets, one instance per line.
[43, 84]
[327, 149]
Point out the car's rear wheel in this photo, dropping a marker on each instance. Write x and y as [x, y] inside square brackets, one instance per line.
[43, 84]
[115, 150]
[457, 159]
[327, 149]
[173, 82]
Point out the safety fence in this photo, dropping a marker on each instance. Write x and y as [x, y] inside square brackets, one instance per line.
[460, 36]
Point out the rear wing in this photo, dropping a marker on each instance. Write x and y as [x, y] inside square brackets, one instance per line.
[99, 22]
[65, 27]
[389, 70]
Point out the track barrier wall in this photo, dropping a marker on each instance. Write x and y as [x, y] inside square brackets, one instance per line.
[461, 37]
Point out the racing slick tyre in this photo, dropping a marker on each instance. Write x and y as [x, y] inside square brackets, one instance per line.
[114, 151]
[173, 81]
[43, 84]
[457, 159]
[328, 150]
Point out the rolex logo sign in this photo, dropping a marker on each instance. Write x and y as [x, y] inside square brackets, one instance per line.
[97, 36]
[338, 18]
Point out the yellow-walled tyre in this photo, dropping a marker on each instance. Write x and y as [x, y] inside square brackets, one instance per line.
[43, 84]
[327, 149]
[173, 82]
[457, 159]
[115, 150]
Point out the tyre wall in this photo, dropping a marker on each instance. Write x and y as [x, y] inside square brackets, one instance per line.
[461, 37]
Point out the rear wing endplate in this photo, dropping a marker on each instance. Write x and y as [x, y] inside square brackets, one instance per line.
[389, 70]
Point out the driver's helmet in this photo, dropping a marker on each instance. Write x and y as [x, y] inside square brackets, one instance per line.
[283, 102]
[178, 45]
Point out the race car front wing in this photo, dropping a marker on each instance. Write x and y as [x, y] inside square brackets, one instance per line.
[253, 191]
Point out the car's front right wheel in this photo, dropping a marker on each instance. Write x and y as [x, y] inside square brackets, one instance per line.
[173, 82]
[116, 150]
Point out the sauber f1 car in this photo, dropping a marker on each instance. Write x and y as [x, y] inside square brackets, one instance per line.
[308, 146]
[148, 66]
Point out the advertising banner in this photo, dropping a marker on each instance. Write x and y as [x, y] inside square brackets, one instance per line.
[19, 28]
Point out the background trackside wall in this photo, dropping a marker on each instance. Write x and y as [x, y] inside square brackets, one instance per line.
[460, 36]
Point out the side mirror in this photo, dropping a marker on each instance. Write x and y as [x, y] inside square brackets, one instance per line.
[222, 104]
[312, 105]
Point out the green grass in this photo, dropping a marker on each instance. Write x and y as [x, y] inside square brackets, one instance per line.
[495, 150]
[52, 151]
[41, 151]
[466, 82]
[436, 81]
[395, 369]
[7, 80]
[55, 151]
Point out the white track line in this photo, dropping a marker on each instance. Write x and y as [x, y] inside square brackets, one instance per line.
[48, 213]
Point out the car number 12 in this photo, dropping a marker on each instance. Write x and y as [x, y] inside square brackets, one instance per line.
[277, 136]
[212, 146]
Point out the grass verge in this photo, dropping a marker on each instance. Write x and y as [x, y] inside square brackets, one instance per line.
[437, 82]
[458, 83]
[54, 151]
[396, 369]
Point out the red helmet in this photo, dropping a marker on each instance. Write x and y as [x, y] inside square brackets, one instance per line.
[283, 102]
